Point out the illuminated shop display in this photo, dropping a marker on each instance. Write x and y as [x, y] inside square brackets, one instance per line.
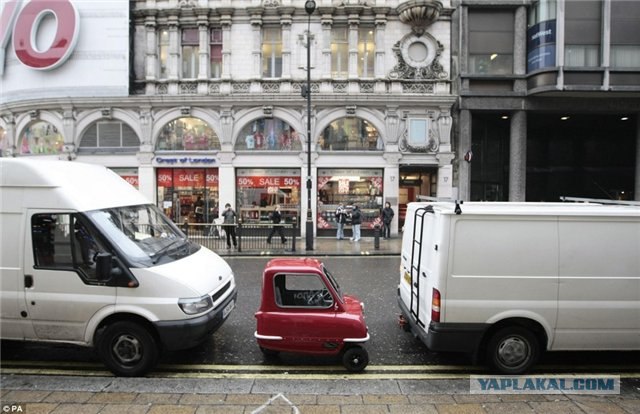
[361, 187]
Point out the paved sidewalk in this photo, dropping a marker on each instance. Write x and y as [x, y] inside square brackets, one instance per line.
[104, 395]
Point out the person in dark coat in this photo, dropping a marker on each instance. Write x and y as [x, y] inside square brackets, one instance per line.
[387, 217]
[229, 221]
[276, 218]
[356, 221]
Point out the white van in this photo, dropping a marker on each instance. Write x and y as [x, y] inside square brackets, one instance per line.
[506, 281]
[86, 259]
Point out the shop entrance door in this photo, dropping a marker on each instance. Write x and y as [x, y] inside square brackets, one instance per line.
[415, 181]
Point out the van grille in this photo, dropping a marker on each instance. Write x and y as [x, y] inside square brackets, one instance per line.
[221, 292]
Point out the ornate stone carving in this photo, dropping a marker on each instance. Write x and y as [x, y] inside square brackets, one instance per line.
[419, 14]
[418, 58]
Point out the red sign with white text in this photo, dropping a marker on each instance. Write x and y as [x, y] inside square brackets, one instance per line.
[264, 182]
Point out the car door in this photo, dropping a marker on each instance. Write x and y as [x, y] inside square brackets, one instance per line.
[307, 313]
[61, 292]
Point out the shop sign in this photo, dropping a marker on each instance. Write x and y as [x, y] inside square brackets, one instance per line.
[263, 182]
[165, 178]
[189, 178]
[131, 179]
[212, 180]
[185, 160]
[26, 22]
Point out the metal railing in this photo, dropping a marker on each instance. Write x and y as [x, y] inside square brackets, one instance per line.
[249, 236]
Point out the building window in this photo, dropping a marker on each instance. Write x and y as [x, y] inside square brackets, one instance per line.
[491, 42]
[109, 136]
[366, 51]
[625, 35]
[270, 134]
[40, 137]
[187, 134]
[350, 134]
[190, 53]
[271, 52]
[582, 33]
[339, 52]
[164, 54]
[216, 53]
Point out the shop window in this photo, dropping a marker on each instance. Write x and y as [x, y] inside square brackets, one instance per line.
[272, 52]
[188, 194]
[40, 137]
[361, 187]
[350, 134]
[130, 175]
[187, 134]
[109, 136]
[366, 51]
[339, 52]
[260, 189]
[491, 41]
[269, 134]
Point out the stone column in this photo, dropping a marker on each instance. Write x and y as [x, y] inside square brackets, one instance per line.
[325, 44]
[225, 22]
[285, 23]
[203, 48]
[518, 157]
[151, 52]
[464, 167]
[354, 21]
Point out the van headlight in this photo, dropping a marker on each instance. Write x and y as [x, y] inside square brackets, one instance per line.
[191, 306]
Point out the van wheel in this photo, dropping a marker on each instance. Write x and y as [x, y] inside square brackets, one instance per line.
[512, 350]
[128, 349]
[355, 359]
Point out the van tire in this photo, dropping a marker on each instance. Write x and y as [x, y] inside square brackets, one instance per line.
[512, 350]
[128, 349]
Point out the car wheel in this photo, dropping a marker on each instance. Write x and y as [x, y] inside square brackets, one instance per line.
[355, 359]
[512, 350]
[128, 349]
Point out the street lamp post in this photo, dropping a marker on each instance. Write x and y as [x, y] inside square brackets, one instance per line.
[309, 7]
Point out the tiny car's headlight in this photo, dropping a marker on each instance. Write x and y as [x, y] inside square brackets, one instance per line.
[362, 306]
[191, 306]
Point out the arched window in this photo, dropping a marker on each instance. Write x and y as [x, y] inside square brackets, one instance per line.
[350, 134]
[187, 134]
[40, 137]
[268, 134]
[109, 136]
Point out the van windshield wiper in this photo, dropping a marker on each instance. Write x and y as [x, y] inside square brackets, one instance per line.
[157, 255]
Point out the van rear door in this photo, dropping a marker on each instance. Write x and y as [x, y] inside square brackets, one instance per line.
[419, 262]
[61, 291]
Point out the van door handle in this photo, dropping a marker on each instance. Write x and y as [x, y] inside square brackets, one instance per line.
[28, 281]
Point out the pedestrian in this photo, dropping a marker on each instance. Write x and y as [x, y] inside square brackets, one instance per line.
[356, 220]
[229, 221]
[341, 220]
[276, 217]
[387, 216]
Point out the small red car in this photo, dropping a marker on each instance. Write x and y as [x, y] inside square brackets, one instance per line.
[303, 310]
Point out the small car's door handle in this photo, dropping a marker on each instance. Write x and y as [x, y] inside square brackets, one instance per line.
[28, 281]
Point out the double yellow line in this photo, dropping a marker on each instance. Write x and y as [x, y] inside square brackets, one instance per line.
[279, 372]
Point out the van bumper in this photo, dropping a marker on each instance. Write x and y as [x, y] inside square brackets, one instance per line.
[185, 334]
[446, 337]
[455, 337]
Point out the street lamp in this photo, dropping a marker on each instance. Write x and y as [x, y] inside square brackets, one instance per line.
[309, 7]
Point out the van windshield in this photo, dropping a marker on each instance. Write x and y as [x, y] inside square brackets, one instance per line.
[143, 234]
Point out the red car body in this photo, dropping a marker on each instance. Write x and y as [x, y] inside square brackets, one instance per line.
[303, 311]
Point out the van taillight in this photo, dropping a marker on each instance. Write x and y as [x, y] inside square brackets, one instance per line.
[435, 305]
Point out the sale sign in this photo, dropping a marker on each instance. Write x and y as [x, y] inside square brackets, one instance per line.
[265, 182]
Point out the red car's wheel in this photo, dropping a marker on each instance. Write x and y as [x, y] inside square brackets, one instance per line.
[355, 359]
